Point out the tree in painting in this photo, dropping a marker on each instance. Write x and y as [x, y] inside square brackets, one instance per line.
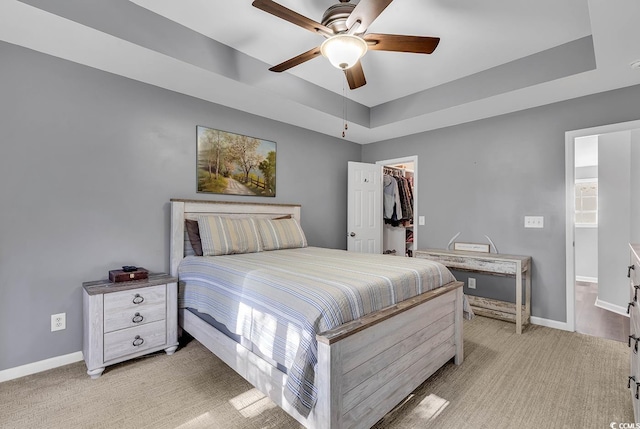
[215, 145]
[243, 151]
[268, 168]
[235, 164]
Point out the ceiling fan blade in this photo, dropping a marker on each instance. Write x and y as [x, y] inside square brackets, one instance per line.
[280, 11]
[366, 12]
[309, 55]
[355, 76]
[398, 43]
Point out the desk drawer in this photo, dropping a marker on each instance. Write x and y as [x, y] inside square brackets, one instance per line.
[475, 263]
[133, 340]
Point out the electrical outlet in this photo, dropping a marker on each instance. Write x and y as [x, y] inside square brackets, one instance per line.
[472, 283]
[58, 322]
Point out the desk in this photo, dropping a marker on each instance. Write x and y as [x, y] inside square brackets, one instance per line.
[495, 264]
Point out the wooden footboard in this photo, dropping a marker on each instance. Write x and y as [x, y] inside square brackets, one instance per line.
[365, 367]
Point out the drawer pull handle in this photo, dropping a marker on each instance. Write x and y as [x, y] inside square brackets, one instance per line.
[636, 339]
[635, 295]
[629, 268]
[138, 341]
[637, 395]
[137, 318]
[138, 299]
[629, 306]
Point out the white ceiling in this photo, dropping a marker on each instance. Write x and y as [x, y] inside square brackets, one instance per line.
[492, 58]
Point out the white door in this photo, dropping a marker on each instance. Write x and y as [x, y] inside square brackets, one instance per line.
[364, 208]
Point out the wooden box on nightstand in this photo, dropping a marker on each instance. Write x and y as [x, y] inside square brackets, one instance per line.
[128, 319]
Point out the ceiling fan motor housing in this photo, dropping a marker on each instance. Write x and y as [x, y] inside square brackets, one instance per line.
[336, 16]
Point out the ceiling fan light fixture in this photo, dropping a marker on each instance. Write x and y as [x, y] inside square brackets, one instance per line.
[343, 50]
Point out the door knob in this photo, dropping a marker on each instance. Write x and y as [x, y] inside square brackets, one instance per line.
[353, 234]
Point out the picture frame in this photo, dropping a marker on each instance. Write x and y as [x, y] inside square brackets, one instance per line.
[234, 164]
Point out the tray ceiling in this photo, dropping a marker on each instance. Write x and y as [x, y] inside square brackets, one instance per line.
[495, 56]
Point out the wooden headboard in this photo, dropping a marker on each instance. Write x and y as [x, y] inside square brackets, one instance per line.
[189, 209]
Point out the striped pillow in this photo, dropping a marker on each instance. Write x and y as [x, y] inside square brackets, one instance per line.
[225, 236]
[281, 234]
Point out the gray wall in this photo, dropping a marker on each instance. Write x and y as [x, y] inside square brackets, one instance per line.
[89, 160]
[483, 177]
[88, 163]
[614, 216]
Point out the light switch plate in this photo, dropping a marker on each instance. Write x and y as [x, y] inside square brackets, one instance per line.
[534, 221]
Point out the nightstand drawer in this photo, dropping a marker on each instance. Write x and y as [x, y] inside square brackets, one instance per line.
[116, 320]
[134, 340]
[134, 300]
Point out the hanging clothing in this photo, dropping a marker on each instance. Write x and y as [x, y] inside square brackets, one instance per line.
[397, 200]
[405, 192]
[392, 205]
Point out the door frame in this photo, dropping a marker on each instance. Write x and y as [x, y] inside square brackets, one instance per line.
[414, 160]
[570, 178]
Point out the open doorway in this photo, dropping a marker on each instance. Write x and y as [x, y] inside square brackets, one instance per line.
[593, 315]
[399, 232]
[599, 224]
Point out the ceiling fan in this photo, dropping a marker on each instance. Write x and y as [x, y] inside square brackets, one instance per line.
[344, 26]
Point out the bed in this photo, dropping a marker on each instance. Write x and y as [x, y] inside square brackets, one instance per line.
[362, 368]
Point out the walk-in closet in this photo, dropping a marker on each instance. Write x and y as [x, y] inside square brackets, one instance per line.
[398, 209]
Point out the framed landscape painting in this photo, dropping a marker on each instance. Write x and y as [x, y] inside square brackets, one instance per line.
[234, 164]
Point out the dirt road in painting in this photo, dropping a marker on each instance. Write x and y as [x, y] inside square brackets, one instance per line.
[236, 188]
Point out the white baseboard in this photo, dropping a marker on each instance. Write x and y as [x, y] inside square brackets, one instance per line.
[587, 279]
[43, 365]
[55, 362]
[550, 323]
[611, 307]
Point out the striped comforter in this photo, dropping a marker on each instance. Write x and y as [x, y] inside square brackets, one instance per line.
[280, 299]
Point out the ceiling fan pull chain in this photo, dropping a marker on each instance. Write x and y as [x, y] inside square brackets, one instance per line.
[344, 108]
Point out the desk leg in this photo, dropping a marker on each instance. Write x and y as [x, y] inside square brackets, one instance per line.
[518, 297]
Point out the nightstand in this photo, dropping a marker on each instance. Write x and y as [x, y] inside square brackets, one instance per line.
[128, 319]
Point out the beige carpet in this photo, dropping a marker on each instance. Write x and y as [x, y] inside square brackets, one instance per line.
[544, 378]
